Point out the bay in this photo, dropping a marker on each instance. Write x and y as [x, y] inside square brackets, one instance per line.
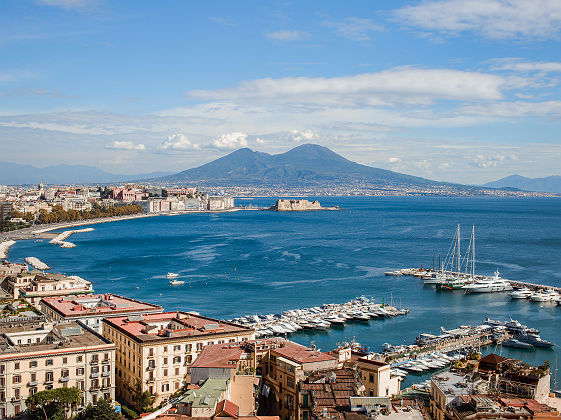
[257, 262]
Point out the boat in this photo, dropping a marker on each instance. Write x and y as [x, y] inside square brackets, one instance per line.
[548, 295]
[489, 285]
[513, 342]
[176, 282]
[172, 275]
[535, 340]
[523, 293]
[452, 284]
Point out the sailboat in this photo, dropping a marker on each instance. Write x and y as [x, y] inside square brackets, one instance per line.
[455, 282]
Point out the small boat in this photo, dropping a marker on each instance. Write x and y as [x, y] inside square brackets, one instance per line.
[176, 282]
[544, 296]
[523, 293]
[172, 275]
[513, 342]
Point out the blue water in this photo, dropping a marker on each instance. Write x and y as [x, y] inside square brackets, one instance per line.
[265, 262]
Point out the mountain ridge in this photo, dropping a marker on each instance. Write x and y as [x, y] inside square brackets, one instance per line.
[550, 184]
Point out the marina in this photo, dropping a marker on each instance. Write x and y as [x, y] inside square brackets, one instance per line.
[331, 315]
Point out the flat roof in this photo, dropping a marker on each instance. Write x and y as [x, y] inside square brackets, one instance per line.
[104, 304]
[167, 326]
[65, 337]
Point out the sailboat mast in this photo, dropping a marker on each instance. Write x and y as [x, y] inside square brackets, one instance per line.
[472, 251]
[459, 253]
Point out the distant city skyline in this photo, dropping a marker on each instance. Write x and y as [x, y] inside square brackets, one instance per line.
[448, 90]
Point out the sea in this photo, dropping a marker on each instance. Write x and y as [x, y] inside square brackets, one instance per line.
[260, 262]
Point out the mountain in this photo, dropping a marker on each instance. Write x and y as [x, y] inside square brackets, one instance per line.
[547, 184]
[17, 174]
[307, 165]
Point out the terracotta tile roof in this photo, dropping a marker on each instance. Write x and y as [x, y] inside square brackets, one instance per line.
[225, 356]
[493, 359]
[301, 354]
[227, 407]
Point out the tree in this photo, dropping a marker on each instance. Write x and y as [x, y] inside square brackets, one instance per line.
[52, 404]
[103, 410]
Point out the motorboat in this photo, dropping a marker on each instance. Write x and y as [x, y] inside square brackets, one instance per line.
[489, 285]
[548, 295]
[172, 275]
[176, 282]
[334, 320]
[523, 293]
[513, 342]
[535, 340]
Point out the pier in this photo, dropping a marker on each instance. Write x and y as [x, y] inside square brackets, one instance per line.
[421, 272]
[60, 238]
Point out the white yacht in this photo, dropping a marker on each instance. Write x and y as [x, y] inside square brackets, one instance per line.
[172, 275]
[548, 295]
[488, 285]
[523, 293]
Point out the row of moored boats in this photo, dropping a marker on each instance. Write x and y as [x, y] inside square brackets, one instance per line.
[361, 309]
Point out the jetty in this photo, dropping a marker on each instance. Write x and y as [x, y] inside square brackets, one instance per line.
[36, 263]
[60, 239]
[426, 273]
[5, 247]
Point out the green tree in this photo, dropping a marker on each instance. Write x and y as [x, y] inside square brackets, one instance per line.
[52, 404]
[103, 410]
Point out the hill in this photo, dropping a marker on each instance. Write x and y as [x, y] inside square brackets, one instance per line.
[17, 174]
[547, 184]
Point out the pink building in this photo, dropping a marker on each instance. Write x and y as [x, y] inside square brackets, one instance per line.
[127, 194]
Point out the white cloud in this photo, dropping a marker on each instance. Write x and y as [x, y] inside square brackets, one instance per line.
[516, 64]
[400, 85]
[305, 135]
[287, 35]
[423, 164]
[69, 4]
[230, 141]
[394, 160]
[494, 19]
[485, 161]
[178, 142]
[353, 28]
[126, 145]
[259, 140]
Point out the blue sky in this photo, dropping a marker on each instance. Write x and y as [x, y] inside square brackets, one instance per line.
[445, 89]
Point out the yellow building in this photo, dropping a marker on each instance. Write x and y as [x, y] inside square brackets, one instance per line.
[155, 351]
[39, 356]
[377, 379]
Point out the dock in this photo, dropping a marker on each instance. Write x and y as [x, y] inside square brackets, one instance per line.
[421, 272]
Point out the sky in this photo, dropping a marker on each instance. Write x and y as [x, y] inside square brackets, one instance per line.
[451, 90]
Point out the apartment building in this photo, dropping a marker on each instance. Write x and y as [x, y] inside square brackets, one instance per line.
[91, 309]
[288, 364]
[377, 379]
[39, 356]
[36, 285]
[155, 351]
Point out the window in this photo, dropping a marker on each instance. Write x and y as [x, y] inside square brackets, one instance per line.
[79, 359]
[188, 347]
[106, 356]
[165, 349]
[150, 352]
[16, 365]
[371, 379]
[64, 373]
[177, 359]
[33, 377]
[210, 343]
[33, 364]
[165, 360]
[16, 393]
[65, 360]
[80, 385]
[49, 362]
[165, 387]
[79, 371]
[95, 358]
[32, 391]
[16, 379]
[176, 371]
[176, 348]
[165, 372]
[49, 376]
[95, 369]
[199, 346]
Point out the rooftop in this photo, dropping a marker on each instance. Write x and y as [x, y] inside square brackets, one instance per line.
[172, 325]
[452, 384]
[46, 338]
[224, 356]
[106, 304]
[207, 395]
[301, 354]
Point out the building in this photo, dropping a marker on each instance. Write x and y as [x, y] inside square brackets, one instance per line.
[377, 379]
[155, 351]
[36, 285]
[39, 356]
[128, 194]
[219, 203]
[445, 388]
[486, 407]
[232, 362]
[182, 191]
[327, 394]
[91, 309]
[287, 364]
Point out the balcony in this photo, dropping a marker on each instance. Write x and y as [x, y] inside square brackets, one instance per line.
[94, 362]
[33, 383]
[150, 367]
[106, 361]
[150, 380]
[94, 375]
[106, 373]
[64, 379]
